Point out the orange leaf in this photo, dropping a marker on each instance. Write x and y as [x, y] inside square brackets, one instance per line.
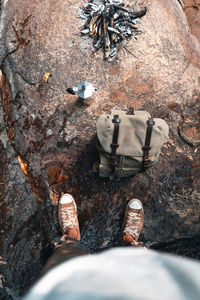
[96, 167]
[23, 165]
[46, 77]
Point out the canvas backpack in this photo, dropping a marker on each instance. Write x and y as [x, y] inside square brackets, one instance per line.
[129, 143]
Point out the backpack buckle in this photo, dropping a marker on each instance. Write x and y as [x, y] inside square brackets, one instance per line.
[150, 122]
[116, 119]
[146, 148]
[114, 145]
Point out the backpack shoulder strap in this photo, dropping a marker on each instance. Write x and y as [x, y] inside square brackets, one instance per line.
[114, 145]
[147, 147]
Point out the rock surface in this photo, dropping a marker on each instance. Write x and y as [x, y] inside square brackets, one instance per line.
[192, 11]
[45, 126]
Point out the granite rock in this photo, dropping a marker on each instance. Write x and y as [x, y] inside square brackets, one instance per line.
[46, 127]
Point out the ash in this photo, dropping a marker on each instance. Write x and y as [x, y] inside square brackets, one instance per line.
[110, 23]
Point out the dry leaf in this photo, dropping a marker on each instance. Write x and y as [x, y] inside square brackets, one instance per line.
[54, 197]
[46, 77]
[23, 165]
[96, 167]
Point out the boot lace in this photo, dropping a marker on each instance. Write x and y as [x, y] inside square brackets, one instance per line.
[69, 217]
[133, 224]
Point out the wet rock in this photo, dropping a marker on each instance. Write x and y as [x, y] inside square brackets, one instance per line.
[189, 129]
[48, 127]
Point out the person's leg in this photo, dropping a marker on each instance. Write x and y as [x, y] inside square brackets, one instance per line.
[133, 223]
[69, 245]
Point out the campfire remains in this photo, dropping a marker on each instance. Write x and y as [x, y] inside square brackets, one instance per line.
[110, 23]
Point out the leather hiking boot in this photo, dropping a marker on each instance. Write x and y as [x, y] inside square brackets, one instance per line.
[67, 216]
[133, 223]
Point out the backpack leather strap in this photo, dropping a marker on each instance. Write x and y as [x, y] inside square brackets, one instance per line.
[147, 147]
[114, 145]
[121, 165]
